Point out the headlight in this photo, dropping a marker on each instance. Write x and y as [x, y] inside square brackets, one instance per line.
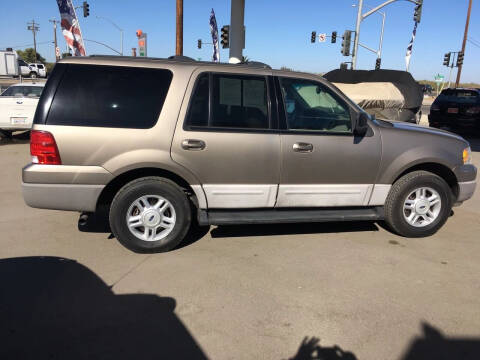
[467, 155]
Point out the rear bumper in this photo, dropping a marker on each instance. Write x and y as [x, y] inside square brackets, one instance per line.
[70, 197]
[466, 190]
[459, 121]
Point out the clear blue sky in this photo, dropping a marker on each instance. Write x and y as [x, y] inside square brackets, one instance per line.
[278, 32]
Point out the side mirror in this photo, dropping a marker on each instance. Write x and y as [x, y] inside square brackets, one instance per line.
[361, 125]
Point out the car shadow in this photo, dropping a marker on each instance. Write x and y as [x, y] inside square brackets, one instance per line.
[55, 308]
[292, 229]
[16, 138]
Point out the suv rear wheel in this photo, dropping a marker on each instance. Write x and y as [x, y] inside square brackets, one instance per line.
[418, 204]
[150, 214]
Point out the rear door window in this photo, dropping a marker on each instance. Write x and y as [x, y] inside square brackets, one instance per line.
[109, 96]
[237, 102]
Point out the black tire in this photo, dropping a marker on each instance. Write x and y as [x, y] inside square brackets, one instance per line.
[394, 213]
[150, 186]
[33, 75]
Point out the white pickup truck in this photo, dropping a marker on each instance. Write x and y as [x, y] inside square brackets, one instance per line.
[17, 107]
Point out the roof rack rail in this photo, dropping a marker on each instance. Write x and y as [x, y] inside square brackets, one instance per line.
[181, 58]
[256, 64]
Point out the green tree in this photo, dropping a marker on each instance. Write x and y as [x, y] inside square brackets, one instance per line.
[29, 56]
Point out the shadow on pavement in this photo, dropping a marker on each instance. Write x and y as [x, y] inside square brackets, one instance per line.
[291, 229]
[310, 349]
[54, 308]
[16, 138]
[433, 345]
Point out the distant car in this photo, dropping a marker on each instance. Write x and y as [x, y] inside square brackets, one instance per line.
[456, 109]
[17, 107]
[37, 70]
[427, 89]
[23, 68]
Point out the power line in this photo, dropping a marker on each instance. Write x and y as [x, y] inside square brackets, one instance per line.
[473, 43]
[19, 46]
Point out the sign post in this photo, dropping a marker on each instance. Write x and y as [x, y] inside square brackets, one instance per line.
[439, 79]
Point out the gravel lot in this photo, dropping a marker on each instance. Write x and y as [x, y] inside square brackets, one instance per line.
[249, 292]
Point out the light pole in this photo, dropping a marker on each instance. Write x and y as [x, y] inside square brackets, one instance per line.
[361, 17]
[118, 28]
[379, 52]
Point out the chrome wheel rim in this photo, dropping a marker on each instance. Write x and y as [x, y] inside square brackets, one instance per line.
[151, 218]
[422, 207]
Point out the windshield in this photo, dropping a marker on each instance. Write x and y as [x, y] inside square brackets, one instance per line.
[27, 91]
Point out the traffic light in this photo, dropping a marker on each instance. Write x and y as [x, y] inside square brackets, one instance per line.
[347, 38]
[334, 37]
[378, 63]
[343, 66]
[86, 9]
[225, 36]
[199, 43]
[418, 11]
[460, 57]
[314, 36]
[446, 59]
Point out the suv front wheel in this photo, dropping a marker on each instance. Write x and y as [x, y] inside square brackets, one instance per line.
[418, 204]
[150, 214]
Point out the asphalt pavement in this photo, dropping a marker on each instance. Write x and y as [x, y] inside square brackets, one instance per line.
[238, 292]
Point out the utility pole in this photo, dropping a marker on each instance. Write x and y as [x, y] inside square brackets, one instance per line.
[179, 42]
[237, 31]
[55, 37]
[32, 26]
[465, 35]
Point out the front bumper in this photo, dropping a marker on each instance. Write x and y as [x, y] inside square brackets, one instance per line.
[466, 190]
[70, 197]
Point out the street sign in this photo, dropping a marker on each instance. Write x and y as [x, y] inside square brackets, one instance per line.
[439, 78]
[322, 37]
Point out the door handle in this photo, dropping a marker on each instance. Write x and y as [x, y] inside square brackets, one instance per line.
[302, 147]
[193, 144]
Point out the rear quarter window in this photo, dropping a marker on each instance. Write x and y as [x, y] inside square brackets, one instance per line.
[109, 96]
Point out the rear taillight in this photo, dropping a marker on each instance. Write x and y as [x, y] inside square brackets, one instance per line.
[434, 107]
[43, 148]
[473, 110]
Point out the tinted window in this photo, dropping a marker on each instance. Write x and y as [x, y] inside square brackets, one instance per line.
[310, 105]
[22, 63]
[237, 102]
[198, 113]
[459, 96]
[109, 96]
[30, 91]
[40, 66]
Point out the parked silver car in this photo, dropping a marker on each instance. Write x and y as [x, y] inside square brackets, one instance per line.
[160, 142]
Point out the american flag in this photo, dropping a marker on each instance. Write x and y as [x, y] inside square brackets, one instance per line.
[214, 31]
[71, 27]
[410, 46]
